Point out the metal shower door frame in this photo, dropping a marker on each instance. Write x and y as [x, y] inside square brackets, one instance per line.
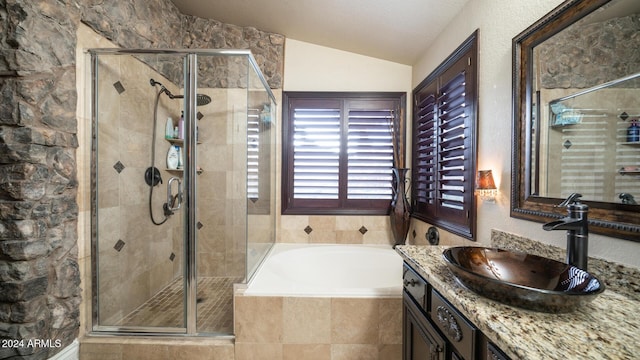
[190, 173]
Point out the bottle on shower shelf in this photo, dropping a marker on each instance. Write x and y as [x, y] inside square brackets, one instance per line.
[168, 130]
[173, 159]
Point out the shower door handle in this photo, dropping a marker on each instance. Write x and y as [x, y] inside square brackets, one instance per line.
[174, 202]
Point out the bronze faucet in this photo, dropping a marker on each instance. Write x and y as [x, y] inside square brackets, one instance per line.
[577, 228]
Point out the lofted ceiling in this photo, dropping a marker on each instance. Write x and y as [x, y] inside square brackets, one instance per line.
[394, 30]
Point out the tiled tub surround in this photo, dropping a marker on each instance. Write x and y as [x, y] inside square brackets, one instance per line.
[283, 327]
[607, 328]
[311, 321]
[331, 229]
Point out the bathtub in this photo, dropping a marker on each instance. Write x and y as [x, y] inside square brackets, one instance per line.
[328, 270]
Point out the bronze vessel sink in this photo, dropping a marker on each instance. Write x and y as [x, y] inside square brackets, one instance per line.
[523, 280]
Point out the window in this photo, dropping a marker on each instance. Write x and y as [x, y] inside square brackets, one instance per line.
[444, 143]
[337, 152]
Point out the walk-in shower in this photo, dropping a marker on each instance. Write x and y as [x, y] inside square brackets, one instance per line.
[152, 175]
[212, 219]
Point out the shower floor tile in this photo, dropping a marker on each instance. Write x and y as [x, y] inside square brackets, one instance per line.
[166, 308]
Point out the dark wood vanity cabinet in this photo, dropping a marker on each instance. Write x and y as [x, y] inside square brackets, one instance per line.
[420, 338]
[435, 330]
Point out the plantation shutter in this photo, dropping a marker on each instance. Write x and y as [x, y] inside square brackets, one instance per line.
[338, 153]
[316, 150]
[455, 182]
[425, 145]
[444, 143]
[370, 151]
[253, 154]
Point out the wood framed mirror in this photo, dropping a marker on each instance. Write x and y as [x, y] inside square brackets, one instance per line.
[576, 98]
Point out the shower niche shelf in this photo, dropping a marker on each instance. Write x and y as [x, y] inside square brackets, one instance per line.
[179, 142]
[181, 171]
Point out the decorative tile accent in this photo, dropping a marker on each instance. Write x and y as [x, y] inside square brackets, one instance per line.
[199, 115]
[199, 225]
[119, 245]
[119, 88]
[363, 230]
[308, 229]
[119, 167]
[624, 116]
[567, 144]
[172, 256]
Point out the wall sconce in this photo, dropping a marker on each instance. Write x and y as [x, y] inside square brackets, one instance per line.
[485, 186]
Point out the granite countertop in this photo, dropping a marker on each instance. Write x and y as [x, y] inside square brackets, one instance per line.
[607, 328]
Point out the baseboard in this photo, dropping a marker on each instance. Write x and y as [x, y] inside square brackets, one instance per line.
[71, 352]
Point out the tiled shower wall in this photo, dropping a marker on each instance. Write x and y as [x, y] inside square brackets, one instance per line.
[221, 192]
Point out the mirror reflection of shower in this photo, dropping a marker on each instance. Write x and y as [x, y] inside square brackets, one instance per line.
[152, 174]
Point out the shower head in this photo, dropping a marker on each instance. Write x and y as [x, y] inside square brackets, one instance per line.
[201, 99]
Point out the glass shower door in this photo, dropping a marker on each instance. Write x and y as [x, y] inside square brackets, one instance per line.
[221, 191]
[183, 187]
[137, 216]
[235, 188]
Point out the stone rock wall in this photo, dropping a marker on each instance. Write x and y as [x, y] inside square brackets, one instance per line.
[267, 49]
[39, 275]
[158, 24]
[590, 54]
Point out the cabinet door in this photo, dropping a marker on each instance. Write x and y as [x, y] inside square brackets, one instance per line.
[420, 339]
[493, 353]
